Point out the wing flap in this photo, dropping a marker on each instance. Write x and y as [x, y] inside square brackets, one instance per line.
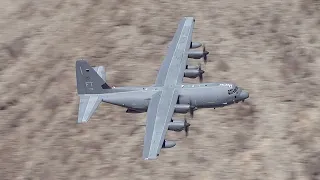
[159, 114]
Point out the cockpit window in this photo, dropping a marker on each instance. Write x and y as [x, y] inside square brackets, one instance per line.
[235, 89]
[232, 91]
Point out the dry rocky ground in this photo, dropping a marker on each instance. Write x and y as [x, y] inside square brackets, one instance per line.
[271, 48]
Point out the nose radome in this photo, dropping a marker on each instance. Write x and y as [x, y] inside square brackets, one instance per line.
[244, 94]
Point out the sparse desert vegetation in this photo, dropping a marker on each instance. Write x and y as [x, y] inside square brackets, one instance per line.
[271, 48]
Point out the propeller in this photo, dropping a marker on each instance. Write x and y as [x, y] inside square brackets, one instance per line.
[200, 73]
[186, 126]
[192, 108]
[205, 53]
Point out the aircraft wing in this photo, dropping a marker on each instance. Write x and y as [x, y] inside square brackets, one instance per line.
[162, 104]
[159, 114]
[172, 69]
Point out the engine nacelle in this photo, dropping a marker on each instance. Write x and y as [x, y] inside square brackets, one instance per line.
[101, 71]
[192, 73]
[176, 125]
[182, 108]
[192, 67]
[195, 54]
[194, 45]
[168, 144]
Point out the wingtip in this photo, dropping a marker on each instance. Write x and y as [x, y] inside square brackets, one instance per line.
[150, 158]
[80, 61]
[81, 121]
[189, 17]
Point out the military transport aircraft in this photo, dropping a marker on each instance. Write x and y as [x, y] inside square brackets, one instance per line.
[168, 95]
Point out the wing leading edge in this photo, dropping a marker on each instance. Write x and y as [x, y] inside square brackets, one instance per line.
[172, 69]
[159, 114]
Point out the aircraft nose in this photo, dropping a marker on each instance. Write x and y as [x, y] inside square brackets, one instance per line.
[244, 95]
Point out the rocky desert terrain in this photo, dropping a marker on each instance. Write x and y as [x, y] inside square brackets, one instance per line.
[270, 48]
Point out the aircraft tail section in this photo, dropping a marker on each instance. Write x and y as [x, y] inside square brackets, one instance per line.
[87, 106]
[88, 79]
[101, 72]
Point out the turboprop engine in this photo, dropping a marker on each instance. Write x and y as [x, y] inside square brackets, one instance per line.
[194, 72]
[179, 125]
[194, 45]
[184, 108]
[168, 144]
[199, 54]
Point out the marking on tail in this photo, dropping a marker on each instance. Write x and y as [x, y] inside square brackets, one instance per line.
[89, 81]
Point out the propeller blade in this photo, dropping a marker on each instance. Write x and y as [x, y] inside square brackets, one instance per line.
[186, 126]
[191, 108]
[200, 73]
[205, 53]
[187, 130]
[201, 78]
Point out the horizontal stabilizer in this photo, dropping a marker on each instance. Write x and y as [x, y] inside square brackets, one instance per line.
[87, 106]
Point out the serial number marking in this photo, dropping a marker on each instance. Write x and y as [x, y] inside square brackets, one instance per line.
[89, 84]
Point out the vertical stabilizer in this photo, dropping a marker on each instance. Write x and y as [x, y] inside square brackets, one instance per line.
[88, 80]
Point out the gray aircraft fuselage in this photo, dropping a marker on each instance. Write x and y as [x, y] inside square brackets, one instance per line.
[204, 95]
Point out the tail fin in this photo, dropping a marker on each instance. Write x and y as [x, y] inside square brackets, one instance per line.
[88, 81]
[89, 86]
